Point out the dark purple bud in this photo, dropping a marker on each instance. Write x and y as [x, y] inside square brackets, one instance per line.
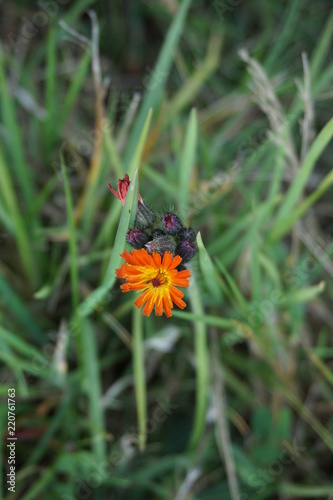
[157, 233]
[172, 223]
[137, 238]
[186, 250]
[144, 216]
[181, 267]
[187, 234]
[160, 245]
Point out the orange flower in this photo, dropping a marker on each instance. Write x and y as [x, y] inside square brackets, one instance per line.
[157, 279]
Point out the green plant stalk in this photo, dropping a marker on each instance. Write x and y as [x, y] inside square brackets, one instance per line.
[191, 87]
[201, 355]
[160, 73]
[307, 416]
[208, 271]
[111, 150]
[14, 363]
[93, 388]
[306, 491]
[73, 263]
[72, 239]
[255, 265]
[296, 188]
[187, 160]
[50, 96]
[20, 231]
[15, 143]
[40, 484]
[289, 22]
[21, 311]
[325, 371]
[75, 87]
[43, 444]
[136, 158]
[208, 320]
[287, 222]
[303, 294]
[321, 49]
[139, 378]
[77, 9]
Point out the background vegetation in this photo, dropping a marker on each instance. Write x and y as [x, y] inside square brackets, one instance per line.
[225, 106]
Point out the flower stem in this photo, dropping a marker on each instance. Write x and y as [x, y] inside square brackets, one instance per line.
[202, 365]
[139, 378]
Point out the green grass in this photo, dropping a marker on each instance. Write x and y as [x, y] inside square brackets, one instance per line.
[233, 393]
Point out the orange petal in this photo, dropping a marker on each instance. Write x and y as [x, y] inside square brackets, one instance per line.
[174, 291]
[148, 307]
[167, 308]
[167, 258]
[128, 257]
[167, 303]
[178, 301]
[144, 297]
[121, 271]
[159, 306]
[142, 258]
[181, 282]
[127, 287]
[184, 274]
[175, 262]
[156, 259]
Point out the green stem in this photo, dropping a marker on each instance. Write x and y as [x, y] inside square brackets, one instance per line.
[139, 378]
[200, 347]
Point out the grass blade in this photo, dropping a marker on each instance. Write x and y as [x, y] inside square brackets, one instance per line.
[322, 49]
[20, 231]
[72, 239]
[208, 271]
[287, 222]
[50, 96]
[304, 294]
[296, 188]
[14, 138]
[94, 392]
[74, 89]
[158, 78]
[19, 310]
[187, 161]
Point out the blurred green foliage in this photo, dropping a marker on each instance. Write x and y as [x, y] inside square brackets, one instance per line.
[224, 109]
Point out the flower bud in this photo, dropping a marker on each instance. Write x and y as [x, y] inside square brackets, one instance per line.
[157, 233]
[160, 245]
[137, 238]
[187, 234]
[144, 216]
[186, 250]
[172, 223]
